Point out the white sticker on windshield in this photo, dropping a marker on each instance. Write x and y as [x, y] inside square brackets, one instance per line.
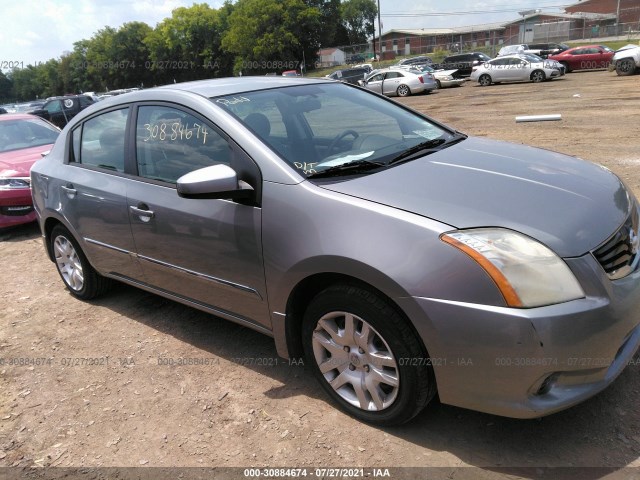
[345, 159]
[427, 133]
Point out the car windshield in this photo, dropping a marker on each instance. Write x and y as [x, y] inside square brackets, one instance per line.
[317, 127]
[532, 57]
[16, 134]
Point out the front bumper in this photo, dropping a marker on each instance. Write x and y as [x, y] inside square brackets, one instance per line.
[16, 207]
[527, 363]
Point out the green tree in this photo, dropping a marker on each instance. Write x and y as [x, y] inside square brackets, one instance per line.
[333, 32]
[273, 35]
[187, 46]
[131, 55]
[358, 18]
[5, 88]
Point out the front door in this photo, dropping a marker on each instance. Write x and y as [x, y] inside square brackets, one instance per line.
[206, 250]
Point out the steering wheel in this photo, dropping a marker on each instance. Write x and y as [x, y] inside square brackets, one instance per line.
[340, 136]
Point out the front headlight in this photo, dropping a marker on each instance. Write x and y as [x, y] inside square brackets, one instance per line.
[11, 183]
[526, 272]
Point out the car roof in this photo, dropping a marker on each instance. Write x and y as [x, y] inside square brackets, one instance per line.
[19, 116]
[587, 46]
[232, 85]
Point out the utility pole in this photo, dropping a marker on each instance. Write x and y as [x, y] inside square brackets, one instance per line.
[379, 33]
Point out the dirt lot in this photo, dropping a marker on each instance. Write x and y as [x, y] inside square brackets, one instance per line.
[127, 410]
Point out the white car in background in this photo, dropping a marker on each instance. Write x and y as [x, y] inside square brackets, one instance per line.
[399, 81]
[444, 78]
[514, 68]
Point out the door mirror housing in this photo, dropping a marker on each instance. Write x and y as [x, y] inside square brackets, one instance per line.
[216, 181]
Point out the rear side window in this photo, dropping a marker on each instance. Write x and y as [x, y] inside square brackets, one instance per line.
[102, 141]
[171, 142]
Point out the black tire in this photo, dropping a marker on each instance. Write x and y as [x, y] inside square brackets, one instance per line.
[76, 272]
[484, 80]
[625, 67]
[403, 91]
[438, 83]
[566, 67]
[390, 336]
[538, 76]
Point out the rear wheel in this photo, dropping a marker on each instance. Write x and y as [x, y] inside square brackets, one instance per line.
[538, 76]
[484, 80]
[366, 356]
[403, 91]
[438, 83]
[625, 67]
[76, 272]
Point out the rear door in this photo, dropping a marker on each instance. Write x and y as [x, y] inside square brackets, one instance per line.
[93, 193]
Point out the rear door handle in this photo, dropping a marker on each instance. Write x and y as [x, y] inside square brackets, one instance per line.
[142, 211]
[69, 190]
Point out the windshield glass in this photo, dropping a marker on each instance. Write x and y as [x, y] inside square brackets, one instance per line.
[316, 127]
[25, 133]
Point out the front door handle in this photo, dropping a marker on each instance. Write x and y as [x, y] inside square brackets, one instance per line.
[69, 190]
[142, 211]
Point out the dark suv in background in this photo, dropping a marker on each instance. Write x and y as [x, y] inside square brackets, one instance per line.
[419, 60]
[463, 62]
[350, 75]
[545, 49]
[59, 110]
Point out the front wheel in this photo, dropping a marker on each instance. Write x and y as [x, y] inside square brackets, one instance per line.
[625, 67]
[76, 272]
[484, 80]
[538, 76]
[366, 356]
[403, 91]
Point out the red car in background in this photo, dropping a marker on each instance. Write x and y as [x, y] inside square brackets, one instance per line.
[23, 139]
[587, 57]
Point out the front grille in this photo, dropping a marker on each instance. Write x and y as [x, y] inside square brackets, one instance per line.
[619, 255]
[16, 210]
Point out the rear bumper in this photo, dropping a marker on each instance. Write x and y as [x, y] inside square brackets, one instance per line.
[527, 363]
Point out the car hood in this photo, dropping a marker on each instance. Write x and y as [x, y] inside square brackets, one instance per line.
[568, 204]
[17, 163]
[626, 51]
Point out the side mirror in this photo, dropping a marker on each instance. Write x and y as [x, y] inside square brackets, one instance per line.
[217, 181]
[361, 83]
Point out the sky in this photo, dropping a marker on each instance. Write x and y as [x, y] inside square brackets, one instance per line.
[34, 31]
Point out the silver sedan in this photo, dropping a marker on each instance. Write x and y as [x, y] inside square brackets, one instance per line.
[397, 255]
[400, 82]
[515, 68]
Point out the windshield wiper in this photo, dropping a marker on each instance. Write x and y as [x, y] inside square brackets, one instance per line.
[428, 145]
[345, 167]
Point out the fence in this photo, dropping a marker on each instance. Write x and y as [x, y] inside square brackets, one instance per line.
[490, 41]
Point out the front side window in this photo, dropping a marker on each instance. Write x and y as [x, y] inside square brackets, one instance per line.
[329, 125]
[102, 141]
[53, 107]
[171, 142]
